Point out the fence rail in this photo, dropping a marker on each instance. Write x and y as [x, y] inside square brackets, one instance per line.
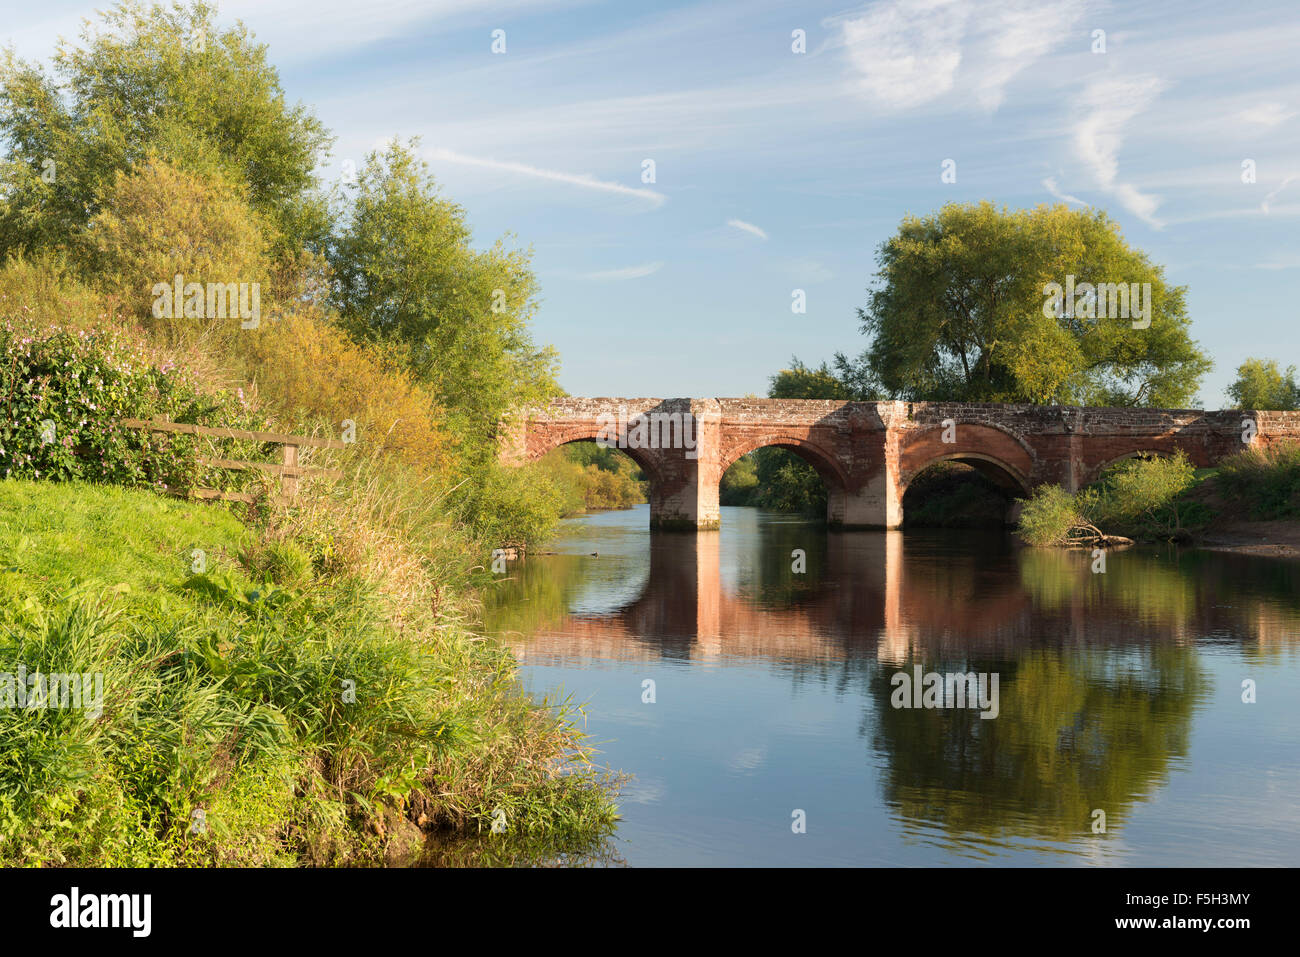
[289, 471]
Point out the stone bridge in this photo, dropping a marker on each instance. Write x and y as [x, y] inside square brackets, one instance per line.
[868, 452]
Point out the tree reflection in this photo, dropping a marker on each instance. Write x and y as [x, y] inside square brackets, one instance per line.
[1076, 732]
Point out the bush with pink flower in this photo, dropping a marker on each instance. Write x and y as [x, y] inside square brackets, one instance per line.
[63, 393]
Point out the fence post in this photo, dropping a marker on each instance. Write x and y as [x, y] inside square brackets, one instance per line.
[289, 483]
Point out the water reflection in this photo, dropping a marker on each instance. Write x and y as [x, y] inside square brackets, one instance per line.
[1102, 676]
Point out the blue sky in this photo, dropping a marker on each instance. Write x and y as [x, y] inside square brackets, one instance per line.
[777, 171]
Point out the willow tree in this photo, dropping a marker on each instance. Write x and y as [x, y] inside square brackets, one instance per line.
[965, 311]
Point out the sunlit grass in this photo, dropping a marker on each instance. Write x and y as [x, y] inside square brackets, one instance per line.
[299, 693]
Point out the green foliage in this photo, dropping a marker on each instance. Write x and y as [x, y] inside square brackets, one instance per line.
[801, 382]
[1077, 730]
[63, 393]
[739, 485]
[1140, 496]
[788, 483]
[1049, 516]
[224, 693]
[589, 477]
[405, 273]
[960, 314]
[1267, 478]
[157, 79]
[1260, 384]
[161, 222]
[774, 478]
[511, 506]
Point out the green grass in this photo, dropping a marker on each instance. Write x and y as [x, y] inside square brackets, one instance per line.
[65, 534]
[268, 710]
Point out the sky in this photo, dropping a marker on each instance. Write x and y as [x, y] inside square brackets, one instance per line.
[777, 170]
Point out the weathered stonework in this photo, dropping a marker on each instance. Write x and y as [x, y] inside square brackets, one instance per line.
[868, 452]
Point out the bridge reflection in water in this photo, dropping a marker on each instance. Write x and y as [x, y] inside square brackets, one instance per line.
[1102, 676]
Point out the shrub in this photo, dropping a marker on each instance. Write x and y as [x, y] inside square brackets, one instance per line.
[63, 394]
[1268, 478]
[309, 372]
[44, 290]
[509, 506]
[587, 476]
[1049, 516]
[1141, 496]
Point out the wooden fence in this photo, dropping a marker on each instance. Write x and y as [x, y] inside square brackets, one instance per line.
[289, 472]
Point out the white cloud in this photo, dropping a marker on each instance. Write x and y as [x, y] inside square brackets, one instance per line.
[747, 227]
[1050, 185]
[1266, 114]
[617, 275]
[1016, 36]
[910, 52]
[907, 51]
[582, 180]
[1268, 200]
[1108, 106]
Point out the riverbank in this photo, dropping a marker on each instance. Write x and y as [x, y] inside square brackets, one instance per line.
[1252, 505]
[1249, 503]
[259, 702]
[1275, 539]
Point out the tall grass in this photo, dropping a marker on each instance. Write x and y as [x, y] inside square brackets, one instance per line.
[301, 698]
[1268, 478]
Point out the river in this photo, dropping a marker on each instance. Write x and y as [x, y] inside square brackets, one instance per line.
[748, 680]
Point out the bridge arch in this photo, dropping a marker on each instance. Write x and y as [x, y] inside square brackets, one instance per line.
[997, 454]
[644, 458]
[996, 470]
[821, 459]
[1144, 451]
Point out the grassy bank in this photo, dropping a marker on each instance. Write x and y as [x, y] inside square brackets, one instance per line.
[1166, 499]
[269, 696]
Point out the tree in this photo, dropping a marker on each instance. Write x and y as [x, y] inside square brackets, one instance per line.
[406, 275]
[160, 221]
[1262, 385]
[962, 313]
[801, 382]
[157, 80]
